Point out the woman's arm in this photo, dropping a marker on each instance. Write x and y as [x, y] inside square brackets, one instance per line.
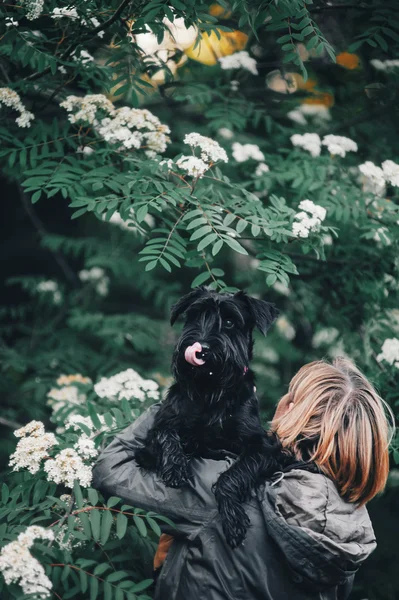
[190, 507]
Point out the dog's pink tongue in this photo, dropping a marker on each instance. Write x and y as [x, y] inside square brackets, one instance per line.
[190, 355]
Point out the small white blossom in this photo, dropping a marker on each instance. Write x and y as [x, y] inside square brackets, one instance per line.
[18, 566]
[281, 288]
[50, 287]
[211, 151]
[70, 379]
[374, 177]
[87, 150]
[390, 352]
[12, 100]
[327, 239]
[382, 235]
[65, 396]
[314, 209]
[32, 448]
[34, 8]
[194, 166]
[325, 337]
[69, 12]
[85, 447]
[285, 328]
[243, 152]
[67, 467]
[308, 141]
[225, 133]
[10, 22]
[239, 60]
[385, 65]
[339, 145]
[261, 169]
[96, 276]
[318, 112]
[127, 384]
[234, 85]
[305, 224]
[391, 172]
[297, 116]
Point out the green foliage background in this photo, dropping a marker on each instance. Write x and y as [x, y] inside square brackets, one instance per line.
[230, 229]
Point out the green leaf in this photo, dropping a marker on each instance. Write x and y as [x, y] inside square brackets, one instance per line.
[234, 245]
[200, 279]
[142, 213]
[95, 522]
[93, 588]
[106, 525]
[78, 495]
[139, 522]
[93, 496]
[201, 232]
[206, 241]
[113, 501]
[121, 525]
[143, 585]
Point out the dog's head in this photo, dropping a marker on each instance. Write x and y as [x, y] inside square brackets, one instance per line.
[215, 346]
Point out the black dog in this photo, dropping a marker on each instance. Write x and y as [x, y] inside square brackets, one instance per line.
[212, 410]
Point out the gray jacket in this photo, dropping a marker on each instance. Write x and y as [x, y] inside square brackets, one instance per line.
[305, 541]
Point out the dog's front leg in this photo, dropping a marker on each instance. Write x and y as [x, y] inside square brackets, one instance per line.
[234, 486]
[173, 463]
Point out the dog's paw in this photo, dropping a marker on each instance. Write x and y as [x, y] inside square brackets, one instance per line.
[145, 459]
[175, 476]
[235, 523]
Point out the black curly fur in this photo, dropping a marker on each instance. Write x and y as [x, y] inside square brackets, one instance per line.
[212, 410]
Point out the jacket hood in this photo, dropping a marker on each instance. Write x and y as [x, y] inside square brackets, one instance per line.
[324, 539]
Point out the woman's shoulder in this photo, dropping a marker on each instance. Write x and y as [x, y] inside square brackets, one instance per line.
[311, 501]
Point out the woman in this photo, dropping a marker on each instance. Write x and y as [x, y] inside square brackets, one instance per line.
[310, 529]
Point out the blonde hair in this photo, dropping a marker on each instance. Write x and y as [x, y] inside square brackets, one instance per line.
[338, 421]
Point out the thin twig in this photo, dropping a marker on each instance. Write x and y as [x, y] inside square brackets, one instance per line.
[10, 423]
[38, 224]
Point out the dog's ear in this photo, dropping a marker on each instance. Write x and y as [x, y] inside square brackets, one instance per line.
[182, 305]
[264, 313]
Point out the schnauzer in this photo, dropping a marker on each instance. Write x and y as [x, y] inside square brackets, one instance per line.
[211, 410]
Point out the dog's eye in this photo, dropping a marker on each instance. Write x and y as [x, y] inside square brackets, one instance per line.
[228, 323]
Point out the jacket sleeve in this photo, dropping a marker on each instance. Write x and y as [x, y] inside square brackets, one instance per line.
[190, 507]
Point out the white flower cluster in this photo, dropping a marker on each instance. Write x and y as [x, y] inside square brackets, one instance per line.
[318, 112]
[390, 352]
[239, 60]
[11, 99]
[127, 384]
[385, 65]
[377, 177]
[304, 223]
[130, 127]
[194, 166]
[325, 337]
[32, 448]
[391, 172]
[58, 398]
[337, 145]
[76, 378]
[308, 141]
[34, 8]
[19, 566]
[243, 152]
[211, 151]
[67, 467]
[97, 277]
[69, 12]
[285, 328]
[50, 287]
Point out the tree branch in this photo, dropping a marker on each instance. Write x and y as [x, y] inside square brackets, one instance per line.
[39, 226]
